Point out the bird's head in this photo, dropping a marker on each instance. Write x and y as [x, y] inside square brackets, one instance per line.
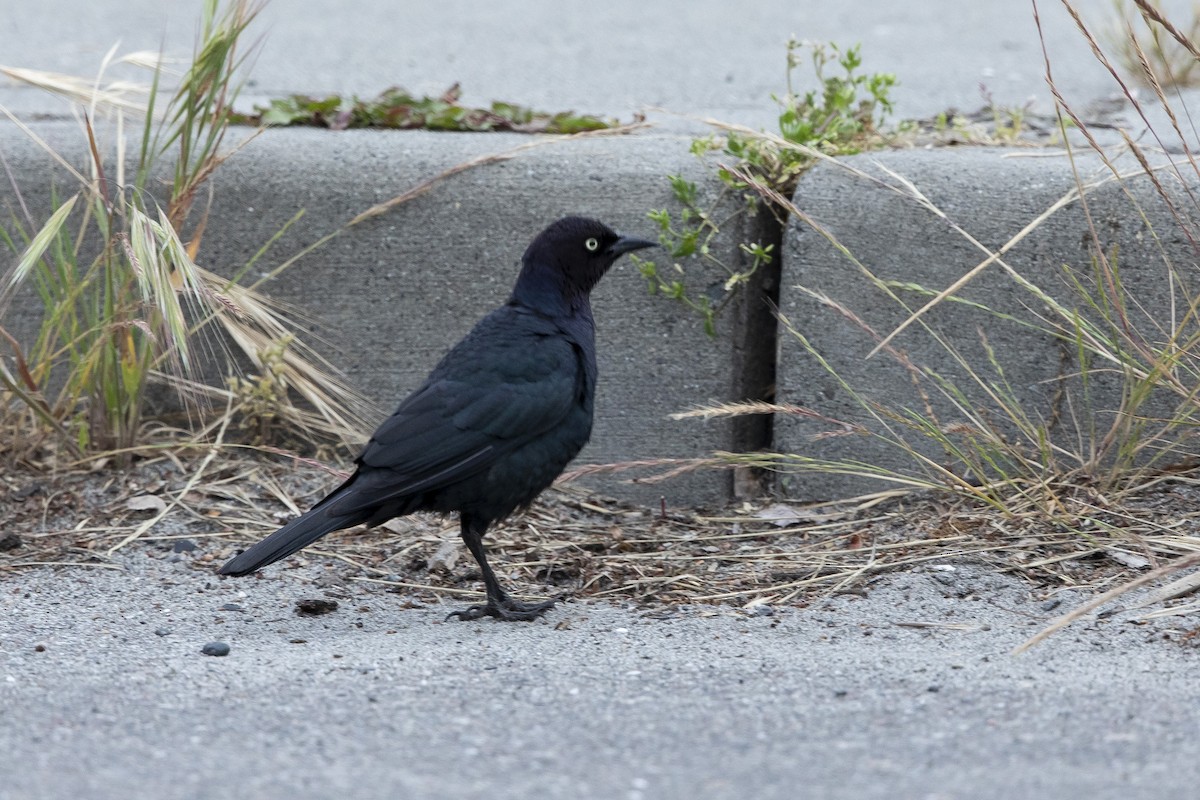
[568, 258]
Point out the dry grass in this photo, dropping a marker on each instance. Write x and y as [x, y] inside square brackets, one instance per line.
[573, 543]
[1152, 48]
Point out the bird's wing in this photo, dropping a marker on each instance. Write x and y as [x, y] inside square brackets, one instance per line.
[489, 394]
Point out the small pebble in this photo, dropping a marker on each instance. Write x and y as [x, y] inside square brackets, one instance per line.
[232, 607]
[39, 648]
[10, 541]
[183, 546]
[215, 649]
[162, 631]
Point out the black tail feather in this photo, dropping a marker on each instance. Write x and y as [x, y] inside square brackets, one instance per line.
[299, 533]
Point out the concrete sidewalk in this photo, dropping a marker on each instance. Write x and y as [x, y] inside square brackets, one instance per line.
[706, 59]
[393, 294]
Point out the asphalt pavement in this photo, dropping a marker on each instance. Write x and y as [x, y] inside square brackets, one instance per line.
[907, 692]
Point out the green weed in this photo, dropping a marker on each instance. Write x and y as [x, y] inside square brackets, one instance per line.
[118, 285]
[399, 109]
[845, 113]
[123, 301]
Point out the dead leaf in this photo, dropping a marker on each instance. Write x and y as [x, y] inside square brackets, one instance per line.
[445, 557]
[1125, 558]
[146, 502]
[397, 525]
[780, 515]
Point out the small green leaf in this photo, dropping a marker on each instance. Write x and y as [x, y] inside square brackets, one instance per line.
[685, 190]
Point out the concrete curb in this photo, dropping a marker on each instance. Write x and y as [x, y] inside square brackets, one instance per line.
[393, 293]
[624, 58]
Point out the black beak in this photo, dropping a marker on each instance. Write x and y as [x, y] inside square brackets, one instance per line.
[627, 244]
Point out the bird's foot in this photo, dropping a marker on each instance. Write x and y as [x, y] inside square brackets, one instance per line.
[505, 609]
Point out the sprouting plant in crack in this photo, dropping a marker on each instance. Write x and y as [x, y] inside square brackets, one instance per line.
[843, 114]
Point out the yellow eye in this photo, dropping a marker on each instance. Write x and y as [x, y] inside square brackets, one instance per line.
[592, 244]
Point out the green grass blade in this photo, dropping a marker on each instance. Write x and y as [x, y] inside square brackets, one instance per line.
[38, 245]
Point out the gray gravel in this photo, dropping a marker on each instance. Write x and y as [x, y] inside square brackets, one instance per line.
[908, 692]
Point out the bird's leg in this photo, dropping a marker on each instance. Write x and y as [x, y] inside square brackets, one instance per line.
[499, 604]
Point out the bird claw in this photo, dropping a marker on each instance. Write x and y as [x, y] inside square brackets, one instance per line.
[506, 610]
